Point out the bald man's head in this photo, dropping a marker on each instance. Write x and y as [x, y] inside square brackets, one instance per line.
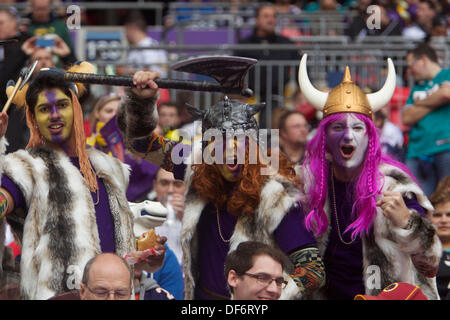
[104, 274]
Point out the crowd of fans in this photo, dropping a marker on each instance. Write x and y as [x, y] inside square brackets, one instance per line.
[296, 120]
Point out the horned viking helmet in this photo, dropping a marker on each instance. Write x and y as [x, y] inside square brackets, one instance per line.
[347, 96]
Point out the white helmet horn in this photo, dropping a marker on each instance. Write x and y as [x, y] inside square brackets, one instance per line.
[379, 99]
[315, 97]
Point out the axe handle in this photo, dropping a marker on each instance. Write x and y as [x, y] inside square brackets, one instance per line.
[162, 83]
[8, 103]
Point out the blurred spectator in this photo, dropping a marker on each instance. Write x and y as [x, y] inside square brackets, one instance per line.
[440, 217]
[443, 185]
[170, 192]
[427, 112]
[300, 103]
[293, 135]
[388, 27]
[254, 271]
[45, 23]
[142, 59]
[264, 33]
[391, 136]
[421, 28]
[107, 276]
[59, 51]
[324, 5]
[44, 59]
[439, 26]
[289, 26]
[107, 138]
[12, 60]
[169, 116]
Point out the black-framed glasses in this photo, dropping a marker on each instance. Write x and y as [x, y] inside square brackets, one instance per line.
[121, 294]
[267, 279]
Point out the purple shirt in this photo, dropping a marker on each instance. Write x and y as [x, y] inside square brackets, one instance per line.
[103, 215]
[344, 263]
[289, 235]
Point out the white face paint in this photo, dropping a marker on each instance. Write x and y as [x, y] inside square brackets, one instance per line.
[347, 141]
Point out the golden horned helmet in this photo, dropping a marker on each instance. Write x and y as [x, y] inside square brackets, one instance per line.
[347, 96]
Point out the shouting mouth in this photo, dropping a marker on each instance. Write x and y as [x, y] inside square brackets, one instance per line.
[232, 164]
[347, 151]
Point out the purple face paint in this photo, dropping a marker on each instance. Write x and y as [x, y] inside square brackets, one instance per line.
[347, 141]
[54, 115]
[55, 118]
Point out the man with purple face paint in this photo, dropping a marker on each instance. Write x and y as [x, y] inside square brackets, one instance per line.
[366, 210]
[65, 201]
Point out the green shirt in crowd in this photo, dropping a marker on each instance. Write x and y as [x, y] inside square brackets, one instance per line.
[431, 135]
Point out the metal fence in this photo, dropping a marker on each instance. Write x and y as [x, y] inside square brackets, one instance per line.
[367, 62]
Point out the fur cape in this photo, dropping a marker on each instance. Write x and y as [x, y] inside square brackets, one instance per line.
[278, 195]
[59, 231]
[391, 249]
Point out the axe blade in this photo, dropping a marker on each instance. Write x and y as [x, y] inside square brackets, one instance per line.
[228, 71]
[26, 74]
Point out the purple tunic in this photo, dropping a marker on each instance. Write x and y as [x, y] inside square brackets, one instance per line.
[289, 235]
[103, 215]
[141, 178]
[142, 172]
[343, 263]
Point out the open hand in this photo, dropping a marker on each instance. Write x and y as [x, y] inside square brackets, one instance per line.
[394, 208]
[60, 48]
[29, 46]
[145, 86]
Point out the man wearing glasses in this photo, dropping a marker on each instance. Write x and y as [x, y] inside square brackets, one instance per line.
[106, 277]
[254, 271]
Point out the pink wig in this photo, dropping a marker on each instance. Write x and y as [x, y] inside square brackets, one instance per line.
[368, 185]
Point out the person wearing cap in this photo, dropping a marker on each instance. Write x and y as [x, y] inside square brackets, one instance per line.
[396, 291]
[365, 209]
[227, 201]
[66, 201]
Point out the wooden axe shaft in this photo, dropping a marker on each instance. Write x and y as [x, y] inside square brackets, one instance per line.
[8, 103]
[127, 81]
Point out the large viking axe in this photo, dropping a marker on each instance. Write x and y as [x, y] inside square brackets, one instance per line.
[24, 77]
[228, 71]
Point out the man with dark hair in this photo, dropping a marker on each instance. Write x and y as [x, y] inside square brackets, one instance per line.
[65, 200]
[264, 33]
[254, 271]
[427, 112]
[169, 116]
[149, 59]
[293, 134]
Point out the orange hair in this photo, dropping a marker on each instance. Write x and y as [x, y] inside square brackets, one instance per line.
[244, 196]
